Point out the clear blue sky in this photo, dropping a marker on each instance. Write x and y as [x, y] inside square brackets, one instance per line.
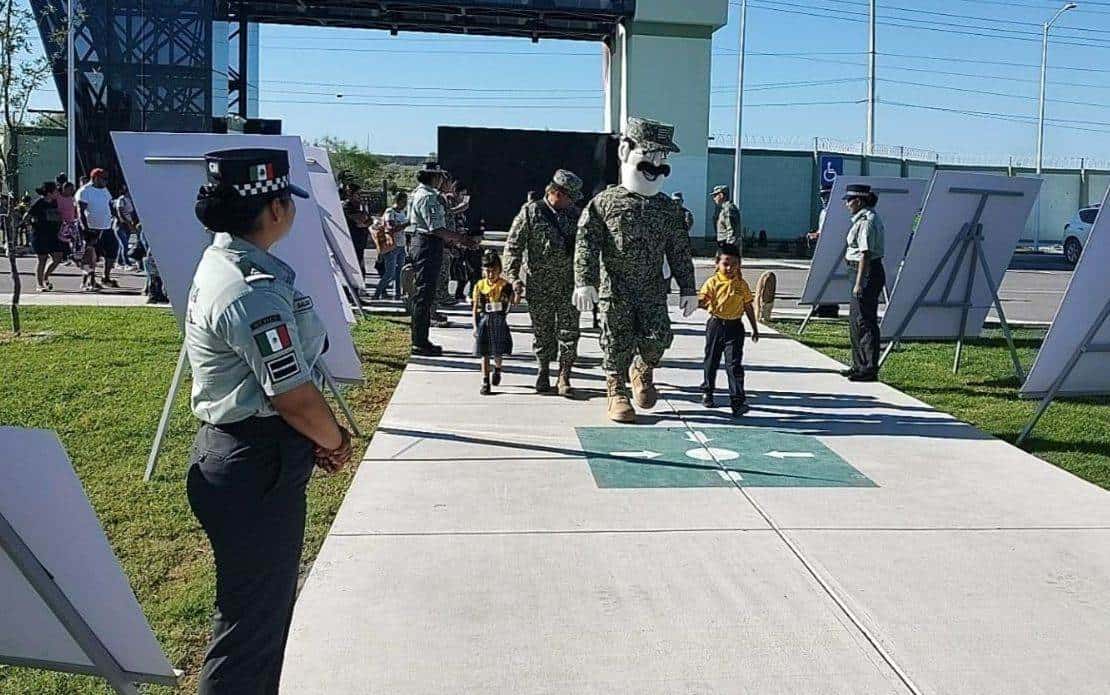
[952, 56]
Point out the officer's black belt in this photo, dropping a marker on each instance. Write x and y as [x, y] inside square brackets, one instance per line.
[254, 426]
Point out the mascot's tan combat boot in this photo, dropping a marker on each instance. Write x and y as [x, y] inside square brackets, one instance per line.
[563, 384]
[643, 385]
[620, 410]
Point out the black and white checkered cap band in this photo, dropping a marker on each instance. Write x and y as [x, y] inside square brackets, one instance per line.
[262, 187]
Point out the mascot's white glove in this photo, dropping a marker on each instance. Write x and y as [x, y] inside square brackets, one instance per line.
[688, 305]
[585, 298]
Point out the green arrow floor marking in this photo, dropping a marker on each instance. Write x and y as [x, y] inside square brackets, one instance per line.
[675, 457]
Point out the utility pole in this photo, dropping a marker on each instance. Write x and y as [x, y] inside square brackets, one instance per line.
[1040, 120]
[71, 97]
[740, 107]
[871, 87]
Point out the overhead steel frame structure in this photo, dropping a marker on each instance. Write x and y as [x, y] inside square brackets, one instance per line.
[143, 65]
[575, 20]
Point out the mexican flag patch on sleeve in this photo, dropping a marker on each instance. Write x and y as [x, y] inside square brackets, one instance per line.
[274, 340]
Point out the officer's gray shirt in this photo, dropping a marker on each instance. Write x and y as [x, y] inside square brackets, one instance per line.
[866, 234]
[426, 211]
[249, 333]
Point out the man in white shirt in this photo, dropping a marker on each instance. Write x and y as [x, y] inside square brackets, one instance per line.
[94, 209]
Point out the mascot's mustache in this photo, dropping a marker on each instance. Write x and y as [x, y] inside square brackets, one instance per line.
[652, 170]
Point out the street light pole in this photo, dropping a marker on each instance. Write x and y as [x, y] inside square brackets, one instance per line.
[740, 106]
[1040, 120]
[71, 97]
[871, 87]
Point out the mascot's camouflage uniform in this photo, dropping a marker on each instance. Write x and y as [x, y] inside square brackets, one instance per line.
[542, 240]
[623, 236]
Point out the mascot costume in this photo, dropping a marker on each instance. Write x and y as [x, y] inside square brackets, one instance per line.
[624, 234]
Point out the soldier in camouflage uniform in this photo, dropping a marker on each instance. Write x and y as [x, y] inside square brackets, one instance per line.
[542, 239]
[623, 236]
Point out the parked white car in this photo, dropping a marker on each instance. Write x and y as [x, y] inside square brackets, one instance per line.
[1076, 232]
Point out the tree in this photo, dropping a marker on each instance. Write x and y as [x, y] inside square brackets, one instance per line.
[351, 163]
[22, 71]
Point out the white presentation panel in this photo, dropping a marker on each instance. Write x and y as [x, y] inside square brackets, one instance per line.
[326, 192]
[43, 501]
[1087, 297]
[899, 203]
[951, 204]
[164, 172]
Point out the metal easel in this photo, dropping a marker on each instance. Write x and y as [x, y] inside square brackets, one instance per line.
[840, 271]
[1086, 347]
[969, 240]
[39, 578]
[175, 385]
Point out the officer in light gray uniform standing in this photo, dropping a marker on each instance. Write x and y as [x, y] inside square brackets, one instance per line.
[254, 343]
[866, 245]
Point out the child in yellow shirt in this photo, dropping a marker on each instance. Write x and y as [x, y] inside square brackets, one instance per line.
[727, 298]
[493, 296]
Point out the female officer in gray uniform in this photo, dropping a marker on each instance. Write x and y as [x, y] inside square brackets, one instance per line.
[866, 244]
[253, 343]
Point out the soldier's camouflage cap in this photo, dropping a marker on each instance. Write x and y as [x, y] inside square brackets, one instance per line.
[651, 136]
[569, 182]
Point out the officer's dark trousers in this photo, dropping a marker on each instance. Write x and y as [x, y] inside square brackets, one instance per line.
[427, 259]
[724, 338]
[863, 320]
[246, 486]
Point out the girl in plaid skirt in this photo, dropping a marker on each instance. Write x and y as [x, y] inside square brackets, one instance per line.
[493, 296]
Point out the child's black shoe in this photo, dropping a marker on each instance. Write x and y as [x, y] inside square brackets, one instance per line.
[707, 400]
[486, 390]
[497, 377]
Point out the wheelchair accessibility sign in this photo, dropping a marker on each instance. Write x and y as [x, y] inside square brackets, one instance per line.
[831, 168]
[677, 457]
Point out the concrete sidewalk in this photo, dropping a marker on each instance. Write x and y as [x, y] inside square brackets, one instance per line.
[845, 538]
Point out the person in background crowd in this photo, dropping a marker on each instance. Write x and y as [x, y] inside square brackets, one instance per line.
[125, 221]
[391, 250]
[688, 220]
[358, 221]
[469, 269]
[21, 208]
[94, 205]
[46, 224]
[155, 290]
[71, 227]
[866, 244]
[730, 228]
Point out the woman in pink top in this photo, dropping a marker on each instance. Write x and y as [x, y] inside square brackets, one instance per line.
[70, 233]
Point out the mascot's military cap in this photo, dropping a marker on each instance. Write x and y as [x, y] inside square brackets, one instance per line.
[569, 182]
[650, 135]
[252, 172]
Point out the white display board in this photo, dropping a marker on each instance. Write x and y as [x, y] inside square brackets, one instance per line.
[1081, 322]
[326, 192]
[46, 518]
[829, 281]
[955, 200]
[164, 172]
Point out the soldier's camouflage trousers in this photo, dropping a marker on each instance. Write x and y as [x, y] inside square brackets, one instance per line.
[555, 329]
[628, 329]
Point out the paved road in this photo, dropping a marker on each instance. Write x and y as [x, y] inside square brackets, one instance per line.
[1031, 291]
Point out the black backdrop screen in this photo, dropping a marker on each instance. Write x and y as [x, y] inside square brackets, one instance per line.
[499, 166]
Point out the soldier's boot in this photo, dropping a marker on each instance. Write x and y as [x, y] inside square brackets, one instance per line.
[543, 378]
[619, 409]
[563, 384]
[644, 392]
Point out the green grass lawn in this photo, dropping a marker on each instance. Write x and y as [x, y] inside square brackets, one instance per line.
[1074, 434]
[98, 377]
